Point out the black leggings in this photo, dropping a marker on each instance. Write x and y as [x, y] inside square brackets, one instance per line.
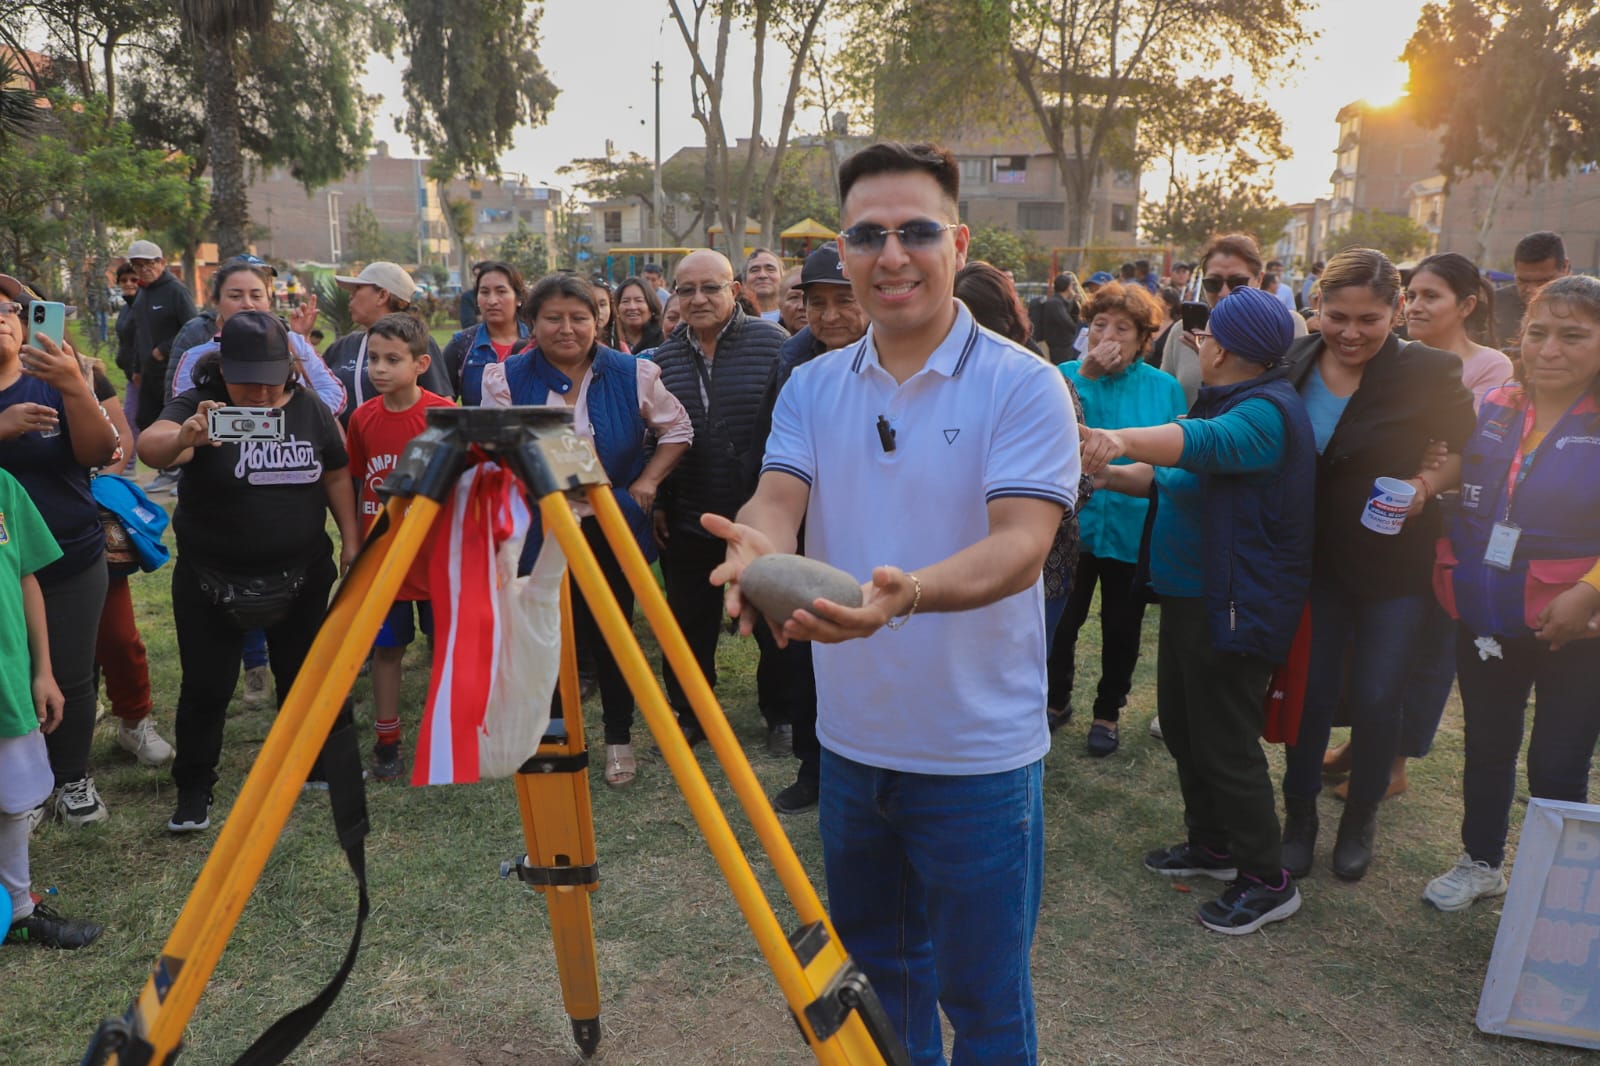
[72, 608]
[1121, 628]
[616, 699]
[210, 650]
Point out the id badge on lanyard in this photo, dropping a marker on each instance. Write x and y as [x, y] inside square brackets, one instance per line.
[1502, 548]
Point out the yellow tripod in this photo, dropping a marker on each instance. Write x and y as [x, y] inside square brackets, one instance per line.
[837, 1011]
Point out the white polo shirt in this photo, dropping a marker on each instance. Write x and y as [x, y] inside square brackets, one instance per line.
[960, 693]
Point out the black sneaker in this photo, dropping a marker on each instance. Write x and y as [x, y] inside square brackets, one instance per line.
[1191, 860]
[193, 814]
[387, 763]
[797, 798]
[1248, 904]
[51, 930]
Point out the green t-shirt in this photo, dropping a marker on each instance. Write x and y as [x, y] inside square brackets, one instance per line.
[26, 547]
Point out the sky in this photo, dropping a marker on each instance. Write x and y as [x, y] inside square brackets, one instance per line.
[603, 68]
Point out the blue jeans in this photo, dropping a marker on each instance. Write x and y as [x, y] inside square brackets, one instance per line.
[1433, 672]
[255, 648]
[934, 885]
[1375, 639]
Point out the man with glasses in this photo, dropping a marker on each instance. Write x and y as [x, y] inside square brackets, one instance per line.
[1231, 261]
[933, 460]
[718, 369]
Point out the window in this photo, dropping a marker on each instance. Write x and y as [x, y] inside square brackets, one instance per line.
[1041, 215]
[1124, 179]
[1010, 170]
[1122, 218]
[961, 211]
[613, 227]
[974, 172]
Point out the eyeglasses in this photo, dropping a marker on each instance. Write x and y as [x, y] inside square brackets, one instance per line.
[920, 233]
[1213, 283]
[10, 307]
[708, 290]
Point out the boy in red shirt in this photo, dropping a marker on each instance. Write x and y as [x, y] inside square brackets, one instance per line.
[397, 356]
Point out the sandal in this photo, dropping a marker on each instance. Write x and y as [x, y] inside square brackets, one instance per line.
[621, 767]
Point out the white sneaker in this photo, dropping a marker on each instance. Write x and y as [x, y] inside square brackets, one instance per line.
[1155, 727]
[257, 686]
[146, 744]
[39, 815]
[1464, 884]
[78, 803]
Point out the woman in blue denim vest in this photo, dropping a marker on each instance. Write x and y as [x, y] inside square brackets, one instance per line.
[617, 401]
[1520, 572]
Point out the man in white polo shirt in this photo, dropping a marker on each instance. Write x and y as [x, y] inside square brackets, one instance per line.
[933, 459]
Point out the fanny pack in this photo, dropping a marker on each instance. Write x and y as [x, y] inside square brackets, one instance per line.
[254, 601]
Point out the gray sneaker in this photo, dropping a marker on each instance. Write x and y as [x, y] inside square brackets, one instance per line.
[257, 686]
[1464, 884]
[144, 742]
[162, 482]
[78, 803]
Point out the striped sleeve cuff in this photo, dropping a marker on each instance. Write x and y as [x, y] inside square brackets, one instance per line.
[785, 468]
[1029, 490]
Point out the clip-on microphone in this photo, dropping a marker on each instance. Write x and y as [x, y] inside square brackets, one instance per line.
[885, 434]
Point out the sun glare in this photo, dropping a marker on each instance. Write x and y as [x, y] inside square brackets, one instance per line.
[1386, 86]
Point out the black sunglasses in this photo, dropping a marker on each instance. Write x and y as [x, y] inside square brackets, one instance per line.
[1213, 283]
[870, 237]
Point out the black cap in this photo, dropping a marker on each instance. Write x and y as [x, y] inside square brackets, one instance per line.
[823, 267]
[255, 349]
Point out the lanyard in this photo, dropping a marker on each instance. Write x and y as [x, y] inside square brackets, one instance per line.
[361, 366]
[1522, 463]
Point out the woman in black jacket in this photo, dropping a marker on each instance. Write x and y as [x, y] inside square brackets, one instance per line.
[1376, 403]
[638, 317]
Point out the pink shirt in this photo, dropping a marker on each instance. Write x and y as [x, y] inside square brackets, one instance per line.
[662, 413]
[1483, 370]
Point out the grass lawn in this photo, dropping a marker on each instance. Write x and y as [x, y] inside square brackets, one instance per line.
[457, 966]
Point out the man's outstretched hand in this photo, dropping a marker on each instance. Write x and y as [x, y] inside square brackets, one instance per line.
[746, 544]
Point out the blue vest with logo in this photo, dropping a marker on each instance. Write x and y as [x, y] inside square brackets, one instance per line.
[619, 428]
[1259, 538]
[1556, 508]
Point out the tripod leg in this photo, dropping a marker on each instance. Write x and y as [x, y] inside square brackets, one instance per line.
[558, 825]
[813, 971]
[163, 1008]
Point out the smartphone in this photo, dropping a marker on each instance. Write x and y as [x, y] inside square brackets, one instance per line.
[245, 423]
[1195, 315]
[49, 318]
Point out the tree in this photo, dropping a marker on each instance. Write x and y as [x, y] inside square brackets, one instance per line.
[730, 182]
[1515, 88]
[525, 250]
[1084, 71]
[473, 77]
[1396, 236]
[20, 112]
[1004, 249]
[64, 187]
[366, 240]
[632, 177]
[1197, 207]
[217, 26]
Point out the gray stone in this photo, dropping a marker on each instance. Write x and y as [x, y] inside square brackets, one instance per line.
[778, 585]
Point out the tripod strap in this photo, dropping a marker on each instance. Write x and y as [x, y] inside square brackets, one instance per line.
[341, 762]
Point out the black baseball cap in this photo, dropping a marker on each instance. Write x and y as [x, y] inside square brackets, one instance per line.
[255, 349]
[822, 267]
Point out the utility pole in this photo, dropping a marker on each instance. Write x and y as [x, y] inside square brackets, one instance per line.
[655, 188]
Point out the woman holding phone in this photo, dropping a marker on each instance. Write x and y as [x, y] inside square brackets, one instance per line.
[1375, 404]
[52, 433]
[231, 492]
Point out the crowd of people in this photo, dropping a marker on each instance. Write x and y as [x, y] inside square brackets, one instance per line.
[1392, 473]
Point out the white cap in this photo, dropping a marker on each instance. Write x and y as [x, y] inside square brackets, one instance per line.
[144, 250]
[390, 277]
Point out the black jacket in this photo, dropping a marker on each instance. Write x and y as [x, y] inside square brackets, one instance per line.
[714, 474]
[1409, 396]
[1055, 323]
[159, 312]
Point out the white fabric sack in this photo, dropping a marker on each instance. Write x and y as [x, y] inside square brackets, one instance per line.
[528, 659]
